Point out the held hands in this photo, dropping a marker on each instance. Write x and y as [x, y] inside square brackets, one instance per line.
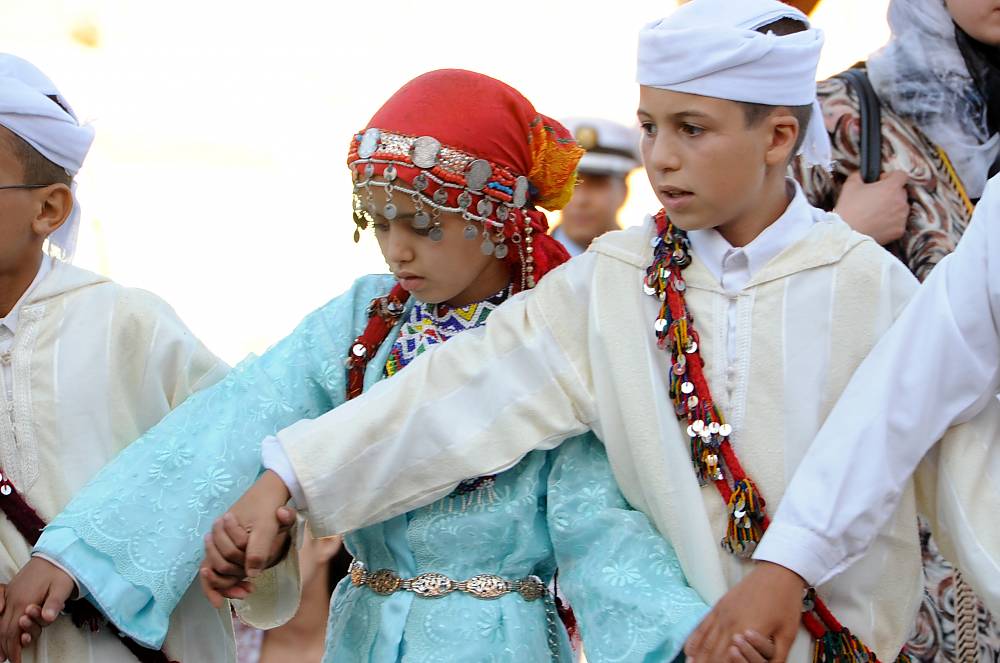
[880, 209]
[250, 537]
[32, 601]
[764, 607]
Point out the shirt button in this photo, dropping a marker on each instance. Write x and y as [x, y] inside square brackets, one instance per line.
[5, 358]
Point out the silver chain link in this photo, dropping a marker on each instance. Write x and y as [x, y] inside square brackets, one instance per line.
[552, 626]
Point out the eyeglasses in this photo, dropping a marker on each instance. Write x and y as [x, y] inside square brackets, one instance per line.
[24, 186]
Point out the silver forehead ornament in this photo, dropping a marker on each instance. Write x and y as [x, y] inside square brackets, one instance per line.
[424, 152]
[478, 174]
[520, 191]
[369, 143]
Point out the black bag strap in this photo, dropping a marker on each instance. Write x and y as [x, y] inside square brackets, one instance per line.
[871, 122]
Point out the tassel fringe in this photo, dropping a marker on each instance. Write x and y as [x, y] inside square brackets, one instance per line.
[746, 516]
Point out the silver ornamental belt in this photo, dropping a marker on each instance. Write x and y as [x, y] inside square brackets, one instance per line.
[434, 585]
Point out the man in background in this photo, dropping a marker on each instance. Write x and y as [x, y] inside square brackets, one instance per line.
[612, 153]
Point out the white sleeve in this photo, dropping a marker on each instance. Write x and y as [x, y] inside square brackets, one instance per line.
[473, 406]
[274, 458]
[937, 366]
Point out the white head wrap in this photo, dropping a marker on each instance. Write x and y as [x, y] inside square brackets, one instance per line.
[27, 110]
[712, 48]
[921, 75]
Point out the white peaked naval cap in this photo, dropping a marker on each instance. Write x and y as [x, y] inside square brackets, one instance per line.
[611, 148]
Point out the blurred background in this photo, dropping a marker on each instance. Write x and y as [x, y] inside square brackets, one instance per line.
[217, 179]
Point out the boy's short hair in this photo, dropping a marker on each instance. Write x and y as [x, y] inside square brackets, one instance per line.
[755, 113]
[37, 169]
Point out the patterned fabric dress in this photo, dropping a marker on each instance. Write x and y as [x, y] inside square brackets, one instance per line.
[938, 218]
[938, 214]
[556, 508]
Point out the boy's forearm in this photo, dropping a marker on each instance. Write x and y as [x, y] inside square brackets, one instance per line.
[471, 407]
[936, 366]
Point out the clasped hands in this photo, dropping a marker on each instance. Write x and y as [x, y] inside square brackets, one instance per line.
[757, 620]
[252, 536]
[249, 538]
[32, 600]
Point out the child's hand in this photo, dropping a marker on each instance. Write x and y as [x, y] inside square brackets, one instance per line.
[768, 601]
[251, 536]
[39, 585]
[751, 647]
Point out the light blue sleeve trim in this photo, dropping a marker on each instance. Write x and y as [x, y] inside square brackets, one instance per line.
[133, 535]
[130, 607]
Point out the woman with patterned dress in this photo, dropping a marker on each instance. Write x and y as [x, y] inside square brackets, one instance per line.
[449, 173]
[937, 82]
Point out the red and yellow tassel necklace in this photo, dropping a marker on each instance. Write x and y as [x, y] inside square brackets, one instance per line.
[713, 456]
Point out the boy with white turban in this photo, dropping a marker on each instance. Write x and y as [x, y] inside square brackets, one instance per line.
[739, 309]
[86, 366]
[938, 366]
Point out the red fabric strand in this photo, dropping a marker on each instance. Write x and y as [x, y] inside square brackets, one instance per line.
[819, 621]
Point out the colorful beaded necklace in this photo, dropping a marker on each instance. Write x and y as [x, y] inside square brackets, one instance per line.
[428, 325]
[713, 456]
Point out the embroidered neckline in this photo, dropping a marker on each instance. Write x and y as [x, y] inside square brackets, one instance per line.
[428, 325]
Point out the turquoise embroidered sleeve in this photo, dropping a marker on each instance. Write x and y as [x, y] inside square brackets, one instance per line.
[622, 579]
[133, 535]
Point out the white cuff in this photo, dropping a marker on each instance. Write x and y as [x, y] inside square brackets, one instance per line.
[800, 550]
[274, 458]
[81, 590]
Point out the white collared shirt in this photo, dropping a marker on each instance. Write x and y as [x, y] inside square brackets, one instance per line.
[733, 266]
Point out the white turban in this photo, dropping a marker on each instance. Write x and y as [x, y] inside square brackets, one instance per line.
[27, 110]
[712, 48]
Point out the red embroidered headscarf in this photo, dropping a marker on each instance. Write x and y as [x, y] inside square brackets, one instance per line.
[461, 142]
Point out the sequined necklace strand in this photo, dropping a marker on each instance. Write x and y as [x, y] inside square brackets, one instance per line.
[712, 453]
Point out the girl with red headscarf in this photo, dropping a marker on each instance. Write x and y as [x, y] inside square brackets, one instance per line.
[449, 175]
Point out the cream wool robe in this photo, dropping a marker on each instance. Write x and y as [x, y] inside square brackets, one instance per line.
[579, 352]
[94, 365]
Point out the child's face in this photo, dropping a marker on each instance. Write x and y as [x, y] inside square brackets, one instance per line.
[18, 208]
[979, 18]
[707, 167]
[452, 271]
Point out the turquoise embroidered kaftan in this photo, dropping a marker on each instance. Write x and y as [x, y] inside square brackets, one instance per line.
[133, 536]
